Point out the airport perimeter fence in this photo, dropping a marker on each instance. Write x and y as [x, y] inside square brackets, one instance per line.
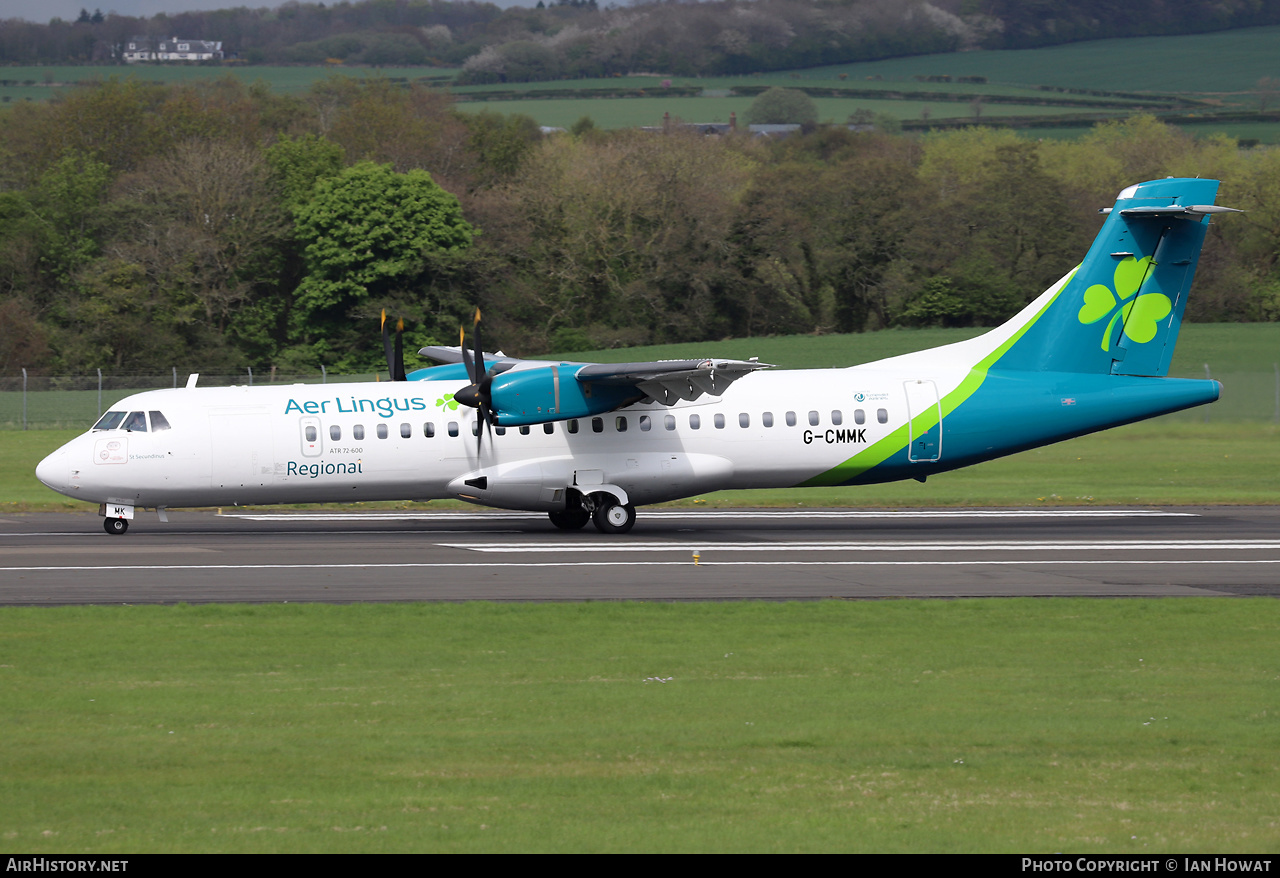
[56, 402]
[43, 402]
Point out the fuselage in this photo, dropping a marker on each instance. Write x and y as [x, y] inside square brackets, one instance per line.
[406, 441]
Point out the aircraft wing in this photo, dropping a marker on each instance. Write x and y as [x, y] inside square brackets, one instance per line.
[667, 381]
[520, 392]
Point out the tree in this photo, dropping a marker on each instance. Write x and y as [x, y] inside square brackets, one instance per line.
[782, 106]
[370, 233]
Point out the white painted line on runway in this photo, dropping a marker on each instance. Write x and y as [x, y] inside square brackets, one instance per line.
[1027, 562]
[979, 546]
[722, 514]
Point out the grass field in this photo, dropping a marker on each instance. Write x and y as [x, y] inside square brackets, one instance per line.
[963, 726]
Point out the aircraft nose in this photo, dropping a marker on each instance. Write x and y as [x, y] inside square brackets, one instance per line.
[52, 471]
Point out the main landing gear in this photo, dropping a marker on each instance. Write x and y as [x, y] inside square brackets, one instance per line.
[604, 510]
[115, 526]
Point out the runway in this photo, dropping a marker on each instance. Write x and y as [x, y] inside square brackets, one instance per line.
[202, 557]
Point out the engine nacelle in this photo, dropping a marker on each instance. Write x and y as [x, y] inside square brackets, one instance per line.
[551, 393]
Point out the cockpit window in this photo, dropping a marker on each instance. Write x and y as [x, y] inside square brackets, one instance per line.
[158, 422]
[109, 421]
[136, 422]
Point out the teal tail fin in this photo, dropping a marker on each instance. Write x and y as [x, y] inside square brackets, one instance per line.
[1120, 312]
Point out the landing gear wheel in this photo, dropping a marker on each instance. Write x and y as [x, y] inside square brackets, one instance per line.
[115, 526]
[570, 519]
[612, 518]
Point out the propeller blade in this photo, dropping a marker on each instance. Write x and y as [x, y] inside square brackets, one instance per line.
[466, 356]
[386, 346]
[479, 356]
[399, 374]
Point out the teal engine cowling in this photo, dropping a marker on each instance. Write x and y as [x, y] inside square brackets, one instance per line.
[552, 393]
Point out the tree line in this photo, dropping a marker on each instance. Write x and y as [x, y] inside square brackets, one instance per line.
[572, 38]
[217, 225]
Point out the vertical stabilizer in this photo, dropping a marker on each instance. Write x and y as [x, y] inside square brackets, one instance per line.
[1121, 310]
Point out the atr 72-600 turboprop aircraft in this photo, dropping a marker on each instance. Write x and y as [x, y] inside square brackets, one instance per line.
[591, 442]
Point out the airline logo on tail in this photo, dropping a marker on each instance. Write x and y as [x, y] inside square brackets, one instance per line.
[1139, 316]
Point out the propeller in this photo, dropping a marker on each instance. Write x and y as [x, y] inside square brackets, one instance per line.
[477, 393]
[395, 358]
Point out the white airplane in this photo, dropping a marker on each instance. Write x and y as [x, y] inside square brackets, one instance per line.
[591, 442]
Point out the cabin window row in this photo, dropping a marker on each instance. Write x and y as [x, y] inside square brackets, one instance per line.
[620, 424]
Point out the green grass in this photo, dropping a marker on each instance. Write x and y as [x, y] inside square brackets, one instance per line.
[966, 726]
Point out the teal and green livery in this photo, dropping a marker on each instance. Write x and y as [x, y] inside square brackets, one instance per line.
[1091, 352]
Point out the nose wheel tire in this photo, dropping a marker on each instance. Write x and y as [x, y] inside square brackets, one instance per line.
[115, 526]
[613, 518]
[570, 519]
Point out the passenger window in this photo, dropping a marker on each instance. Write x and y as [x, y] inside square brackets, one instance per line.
[524, 431]
[719, 421]
[791, 419]
[573, 425]
[597, 425]
[405, 431]
[382, 431]
[695, 422]
[453, 428]
[499, 431]
[882, 415]
[136, 422]
[837, 418]
[158, 422]
[109, 421]
[646, 423]
[669, 422]
[475, 427]
[813, 419]
[548, 428]
[767, 419]
[428, 430]
[620, 424]
[310, 433]
[357, 432]
[859, 416]
[744, 420]
[335, 433]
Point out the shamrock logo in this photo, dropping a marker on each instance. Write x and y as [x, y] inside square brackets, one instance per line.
[448, 402]
[1139, 316]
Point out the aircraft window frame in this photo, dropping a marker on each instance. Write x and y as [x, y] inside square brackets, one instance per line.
[718, 420]
[695, 422]
[548, 428]
[620, 424]
[837, 417]
[335, 433]
[859, 417]
[767, 419]
[814, 419]
[114, 424]
[453, 429]
[429, 429]
[646, 423]
[524, 431]
[159, 423]
[669, 421]
[475, 427]
[882, 415]
[131, 420]
[744, 420]
[310, 433]
[382, 431]
[357, 432]
[573, 425]
[597, 425]
[791, 419]
[406, 431]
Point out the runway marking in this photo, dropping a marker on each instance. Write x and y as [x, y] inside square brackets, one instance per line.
[988, 546]
[101, 550]
[445, 565]
[717, 513]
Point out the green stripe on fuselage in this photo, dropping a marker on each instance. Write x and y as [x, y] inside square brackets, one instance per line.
[897, 441]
